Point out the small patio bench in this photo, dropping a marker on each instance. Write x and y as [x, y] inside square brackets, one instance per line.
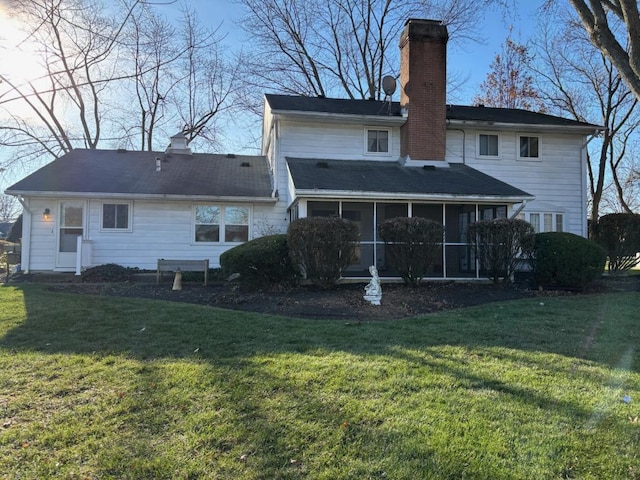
[183, 266]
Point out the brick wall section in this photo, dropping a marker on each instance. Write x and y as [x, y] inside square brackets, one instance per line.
[423, 81]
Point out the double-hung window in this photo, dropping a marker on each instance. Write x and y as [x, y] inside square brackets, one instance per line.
[488, 145]
[216, 223]
[116, 216]
[528, 147]
[377, 140]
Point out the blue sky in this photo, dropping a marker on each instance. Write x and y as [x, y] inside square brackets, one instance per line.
[470, 61]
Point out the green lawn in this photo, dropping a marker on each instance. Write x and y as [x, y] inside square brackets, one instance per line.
[99, 387]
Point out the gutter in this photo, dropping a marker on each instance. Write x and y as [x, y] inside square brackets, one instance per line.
[375, 196]
[21, 200]
[138, 196]
[525, 127]
[344, 117]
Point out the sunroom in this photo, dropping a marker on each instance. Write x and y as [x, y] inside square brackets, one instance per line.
[369, 193]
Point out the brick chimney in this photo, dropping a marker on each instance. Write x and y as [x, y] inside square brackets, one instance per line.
[423, 81]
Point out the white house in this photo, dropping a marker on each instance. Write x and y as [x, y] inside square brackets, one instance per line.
[364, 160]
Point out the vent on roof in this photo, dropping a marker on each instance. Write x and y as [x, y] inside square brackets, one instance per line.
[231, 155]
[245, 164]
[122, 150]
[428, 167]
[322, 165]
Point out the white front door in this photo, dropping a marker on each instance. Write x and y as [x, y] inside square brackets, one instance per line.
[70, 227]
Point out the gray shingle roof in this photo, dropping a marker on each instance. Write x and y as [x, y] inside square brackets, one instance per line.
[509, 115]
[391, 177]
[332, 105]
[454, 112]
[134, 173]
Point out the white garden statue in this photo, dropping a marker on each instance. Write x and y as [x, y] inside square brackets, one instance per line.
[373, 290]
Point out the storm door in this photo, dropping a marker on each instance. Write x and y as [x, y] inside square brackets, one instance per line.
[70, 227]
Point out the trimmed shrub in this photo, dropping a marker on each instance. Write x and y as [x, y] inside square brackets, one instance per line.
[619, 234]
[566, 260]
[109, 272]
[262, 261]
[412, 245]
[499, 245]
[322, 247]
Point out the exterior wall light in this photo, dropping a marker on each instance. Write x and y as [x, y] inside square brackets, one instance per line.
[46, 215]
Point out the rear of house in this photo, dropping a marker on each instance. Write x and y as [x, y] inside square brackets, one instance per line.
[363, 160]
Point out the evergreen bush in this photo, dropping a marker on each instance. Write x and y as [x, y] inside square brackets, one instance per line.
[566, 260]
[260, 262]
[500, 244]
[619, 234]
[322, 247]
[412, 245]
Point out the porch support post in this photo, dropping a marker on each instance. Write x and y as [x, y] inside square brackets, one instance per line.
[78, 254]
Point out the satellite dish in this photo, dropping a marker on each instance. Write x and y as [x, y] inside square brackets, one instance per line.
[389, 85]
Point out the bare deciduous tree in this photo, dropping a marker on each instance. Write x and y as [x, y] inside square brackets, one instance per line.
[613, 27]
[113, 74]
[77, 41]
[338, 47]
[509, 83]
[583, 83]
[9, 208]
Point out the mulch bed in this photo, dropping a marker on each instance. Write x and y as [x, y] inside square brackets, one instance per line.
[343, 302]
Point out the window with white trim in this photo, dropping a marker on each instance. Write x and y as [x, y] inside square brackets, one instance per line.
[488, 145]
[217, 223]
[116, 217]
[544, 221]
[529, 147]
[377, 140]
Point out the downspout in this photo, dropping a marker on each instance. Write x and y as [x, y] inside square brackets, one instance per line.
[520, 208]
[27, 214]
[464, 142]
[276, 153]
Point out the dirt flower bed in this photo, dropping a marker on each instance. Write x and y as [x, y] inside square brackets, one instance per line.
[343, 302]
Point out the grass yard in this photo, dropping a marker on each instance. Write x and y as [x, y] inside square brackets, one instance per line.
[104, 387]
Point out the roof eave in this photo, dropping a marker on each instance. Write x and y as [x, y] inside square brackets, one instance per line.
[143, 196]
[487, 125]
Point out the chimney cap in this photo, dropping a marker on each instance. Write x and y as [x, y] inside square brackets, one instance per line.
[424, 29]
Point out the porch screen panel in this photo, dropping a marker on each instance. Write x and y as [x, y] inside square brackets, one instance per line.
[323, 209]
[385, 211]
[460, 258]
[427, 210]
[433, 212]
[361, 213]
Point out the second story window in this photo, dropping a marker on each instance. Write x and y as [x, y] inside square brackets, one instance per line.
[377, 141]
[529, 147]
[488, 145]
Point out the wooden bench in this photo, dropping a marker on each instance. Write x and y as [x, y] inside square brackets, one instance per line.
[183, 266]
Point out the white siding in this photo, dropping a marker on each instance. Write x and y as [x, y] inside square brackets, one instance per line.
[332, 141]
[159, 230]
[557, 179]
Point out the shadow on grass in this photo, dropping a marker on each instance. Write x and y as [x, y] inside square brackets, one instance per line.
[592, 327]
[232, 353]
